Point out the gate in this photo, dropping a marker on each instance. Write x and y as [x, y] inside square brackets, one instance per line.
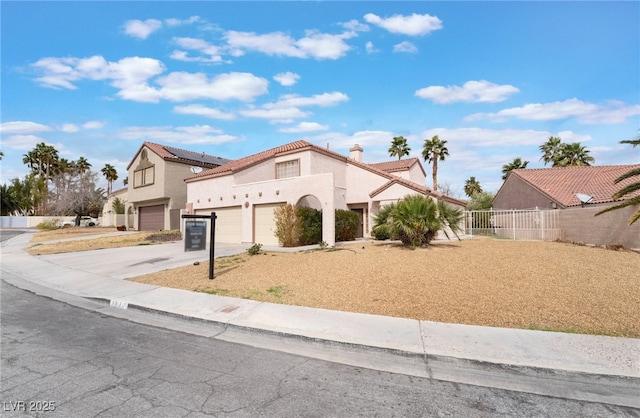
[532, 225]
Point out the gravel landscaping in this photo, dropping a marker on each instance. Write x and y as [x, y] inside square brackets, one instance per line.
[516, 284]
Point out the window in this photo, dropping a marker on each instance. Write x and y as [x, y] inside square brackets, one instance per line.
[144, 177]
[288, 169]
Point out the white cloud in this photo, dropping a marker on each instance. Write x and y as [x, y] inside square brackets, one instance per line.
[94, 124]
[314, 45]
[589, 113]
[304, 127]
[471, 91]
[142, 29]
[287, 79]
[355, 26]
[204, 111]
[363, 138]
[370, 48]
[405, 46]
[211, 52]
[413, 25]
[199, 134]
[323, 100]
[182, 86]
[479, 137]
[21, 142]
[131, 76]
[69, 128]
[275, 115]
[23, 127]
[178, 22]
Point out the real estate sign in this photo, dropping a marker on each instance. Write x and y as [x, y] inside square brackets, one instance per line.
[195, 237]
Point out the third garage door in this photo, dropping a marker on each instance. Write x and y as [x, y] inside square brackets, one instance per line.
[228, 223]
[264, 224]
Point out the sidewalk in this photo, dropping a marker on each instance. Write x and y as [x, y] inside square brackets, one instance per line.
[99, 275]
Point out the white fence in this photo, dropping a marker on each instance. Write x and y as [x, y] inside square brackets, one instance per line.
[532, 225]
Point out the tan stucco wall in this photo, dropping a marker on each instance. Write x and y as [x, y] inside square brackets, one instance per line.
[516, 194]
[579, 224]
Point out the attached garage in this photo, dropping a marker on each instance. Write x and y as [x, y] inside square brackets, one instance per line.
[264, 224]
[228, 223]
[151, 218]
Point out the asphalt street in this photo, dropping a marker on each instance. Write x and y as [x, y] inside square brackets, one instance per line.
[59, 360]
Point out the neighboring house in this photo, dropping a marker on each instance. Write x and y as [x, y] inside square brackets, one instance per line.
[244, 193]
[156, 190]
[580, 192]
[109, 215]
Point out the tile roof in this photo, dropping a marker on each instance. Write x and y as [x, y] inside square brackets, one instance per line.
[182, 156]
[251, 160]
[562, 183]
[396, 165]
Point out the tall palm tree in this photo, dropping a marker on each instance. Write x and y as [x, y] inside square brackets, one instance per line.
[627, 190]
[472, 186]
[42, 160]
[399, 147]
[514, 165]
[82, 165]
[551, 150]
[434, 150]
[573, 154]
[111, 174]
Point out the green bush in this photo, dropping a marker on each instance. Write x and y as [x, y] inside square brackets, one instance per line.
[47, 225]
[255, 249]
[286, 225]
[309, 223]
[346, 225]
[380, 229]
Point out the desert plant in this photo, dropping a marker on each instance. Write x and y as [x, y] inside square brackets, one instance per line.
[416, 219]
[346, 225]
[309, 224]
[286, 225]
[380, 226]
[118, 206]
[47, 225]
[255, 249]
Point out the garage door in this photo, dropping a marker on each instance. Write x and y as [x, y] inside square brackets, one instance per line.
[228, 223]
[151, 218]
[264, 225]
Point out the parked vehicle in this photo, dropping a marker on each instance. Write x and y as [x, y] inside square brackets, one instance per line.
[85, 221]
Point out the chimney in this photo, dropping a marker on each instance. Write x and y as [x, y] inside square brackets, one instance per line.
[356, 153]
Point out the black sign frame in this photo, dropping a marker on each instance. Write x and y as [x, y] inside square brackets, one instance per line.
[212, 238]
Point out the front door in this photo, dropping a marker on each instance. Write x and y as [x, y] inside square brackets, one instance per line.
[360, 213]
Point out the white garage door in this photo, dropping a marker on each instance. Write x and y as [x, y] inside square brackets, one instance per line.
[151, 218]
[228, 223]
[264, 225]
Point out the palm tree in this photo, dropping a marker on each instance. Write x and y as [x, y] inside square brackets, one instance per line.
[627, 190]
[550, 150]
[573, 154]
[42, 160]
[434, 150]
[111, 175]
[472, 186]
[514, 165]
[416, 219]
[399, 147]
[82, 165]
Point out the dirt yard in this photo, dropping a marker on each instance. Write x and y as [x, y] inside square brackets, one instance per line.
[528, 285]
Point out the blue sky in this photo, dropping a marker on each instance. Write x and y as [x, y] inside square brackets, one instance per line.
[494, 79]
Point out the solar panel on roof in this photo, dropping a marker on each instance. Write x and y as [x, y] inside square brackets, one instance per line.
[194, 156]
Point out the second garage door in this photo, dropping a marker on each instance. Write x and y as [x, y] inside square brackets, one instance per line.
[151, 218]
[228, 223]
[264, 225]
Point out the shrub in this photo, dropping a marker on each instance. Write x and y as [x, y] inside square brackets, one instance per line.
[47, 225]
[118, 206]
[286, 225]
[309, 224]
[380, 222]
[255, 249]
[346, 225]
[165, 236]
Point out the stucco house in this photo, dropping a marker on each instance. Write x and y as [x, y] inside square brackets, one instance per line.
[579, 193]
[156, 192]
[244, 193]
[109, 216]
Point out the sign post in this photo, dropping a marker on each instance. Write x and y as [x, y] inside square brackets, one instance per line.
[195, 236]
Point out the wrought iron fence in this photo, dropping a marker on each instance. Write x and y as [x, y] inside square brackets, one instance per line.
[533, 225]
